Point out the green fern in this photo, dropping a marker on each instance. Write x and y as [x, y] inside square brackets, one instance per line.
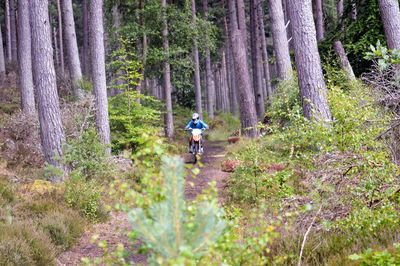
[168, 229]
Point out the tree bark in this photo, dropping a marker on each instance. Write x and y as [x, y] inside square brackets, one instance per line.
[224, 83]
[13, 29]
[319, 20]
[197, 84]
[281, 45]
[51, 130]
[2, 57]
[248, 116]
[209, 74]
[391, 22]
[344, 61]
[85, 47]
[99, 71]
[8, 32]
[25, 58]
[169, 122]
[56, 51]
[232, 75]
[60, 37]
[264, 52]
[311, 80]
[74, 64]
[256, 59]
[354, 11]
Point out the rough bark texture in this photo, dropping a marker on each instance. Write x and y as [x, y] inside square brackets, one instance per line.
[85, 47]
[248, 117]
[281, 46]
[60, 37]
[344, 61]
[8, 31]
[13, 30]
[354, 11]
[51, 130]
[311, 80]
[233, 88]
[391, 22]
[25, 58]
[169, 122]
[2, 57]
[197, 84]
[319, 20]
[209, 75]
[256, 58]
[339, 10]
[74, 64]
[224, 83]
[56, 51]
[264, 52]
[99, 70]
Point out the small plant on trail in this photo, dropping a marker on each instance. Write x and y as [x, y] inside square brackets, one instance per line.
[166, 226]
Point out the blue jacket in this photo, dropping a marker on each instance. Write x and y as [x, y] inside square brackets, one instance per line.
[200, 125]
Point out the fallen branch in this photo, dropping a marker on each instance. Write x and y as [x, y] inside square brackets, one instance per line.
[306, 235]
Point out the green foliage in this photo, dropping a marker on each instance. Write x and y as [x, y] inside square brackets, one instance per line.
[85, 155]
[167, 228]
[378, 258]
[222, 126]
[383, 56]
[21, 244]
[134, 125]
[63, 228]
[6, 193]
[85, 195]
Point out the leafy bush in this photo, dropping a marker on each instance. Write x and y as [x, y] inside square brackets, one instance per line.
[85, 195]
[85, 155]
[22, 244]
[386, 257]
[63, 228]
[6, 193]
[223, 126]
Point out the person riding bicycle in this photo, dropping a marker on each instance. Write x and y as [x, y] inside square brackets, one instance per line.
[196, 123]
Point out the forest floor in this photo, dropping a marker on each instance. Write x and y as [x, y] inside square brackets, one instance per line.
[115, 230]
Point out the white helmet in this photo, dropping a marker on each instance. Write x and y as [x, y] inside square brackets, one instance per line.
[195, 116]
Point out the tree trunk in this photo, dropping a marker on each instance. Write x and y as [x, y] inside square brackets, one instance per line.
[281, 46]
[311, 80]
[56, 52]
[264, 52]
[217, 79]
[169, 122]
[197, 85]
[256, 59]
[25, 58]
[241, 19]
[339, 10]
[224, 84]
[209, 73]
[344, 61]
[354, 12]
[51, 130]
[232, 75]
[248, 116]
[74, 64]
[13, 29]
[2, 57]
[8, 32]
[60, 37]
[85, 48]
[99, 70]
[319, 20]
[391, 22]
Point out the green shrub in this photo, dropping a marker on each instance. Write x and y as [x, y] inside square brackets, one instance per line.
[86, 155]
[23, 244]
[6, 193]
[386, 257]
[63, 228]
[37, 207]
[85, 196]
[222, 126]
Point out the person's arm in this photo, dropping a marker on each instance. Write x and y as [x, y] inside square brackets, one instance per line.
[188, 125]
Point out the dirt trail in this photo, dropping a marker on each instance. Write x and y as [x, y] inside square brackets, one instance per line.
[114, 231]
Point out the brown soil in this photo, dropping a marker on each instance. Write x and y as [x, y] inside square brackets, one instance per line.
[114, 231]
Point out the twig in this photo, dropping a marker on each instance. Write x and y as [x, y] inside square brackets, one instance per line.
[306, 235]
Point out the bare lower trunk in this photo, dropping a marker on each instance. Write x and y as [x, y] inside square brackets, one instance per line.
[264, 52]
[51, 130]
[60, 37]
[344, 61]
[311, 80]
[8, 31]
[13, 29]
[85, 50]
[281, 46]
[169, 122]
[354, 11]
[224, 84]
[197, 85]
[232, 75]
[2, 57]
[248, 115]
[25, 58]
[339, 10]
[99, 70]
[319, 20]
[256, 59]
[74, 64]
[391, 22]
[56, 51]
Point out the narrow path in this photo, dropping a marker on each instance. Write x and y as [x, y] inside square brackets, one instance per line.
[114, 231]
